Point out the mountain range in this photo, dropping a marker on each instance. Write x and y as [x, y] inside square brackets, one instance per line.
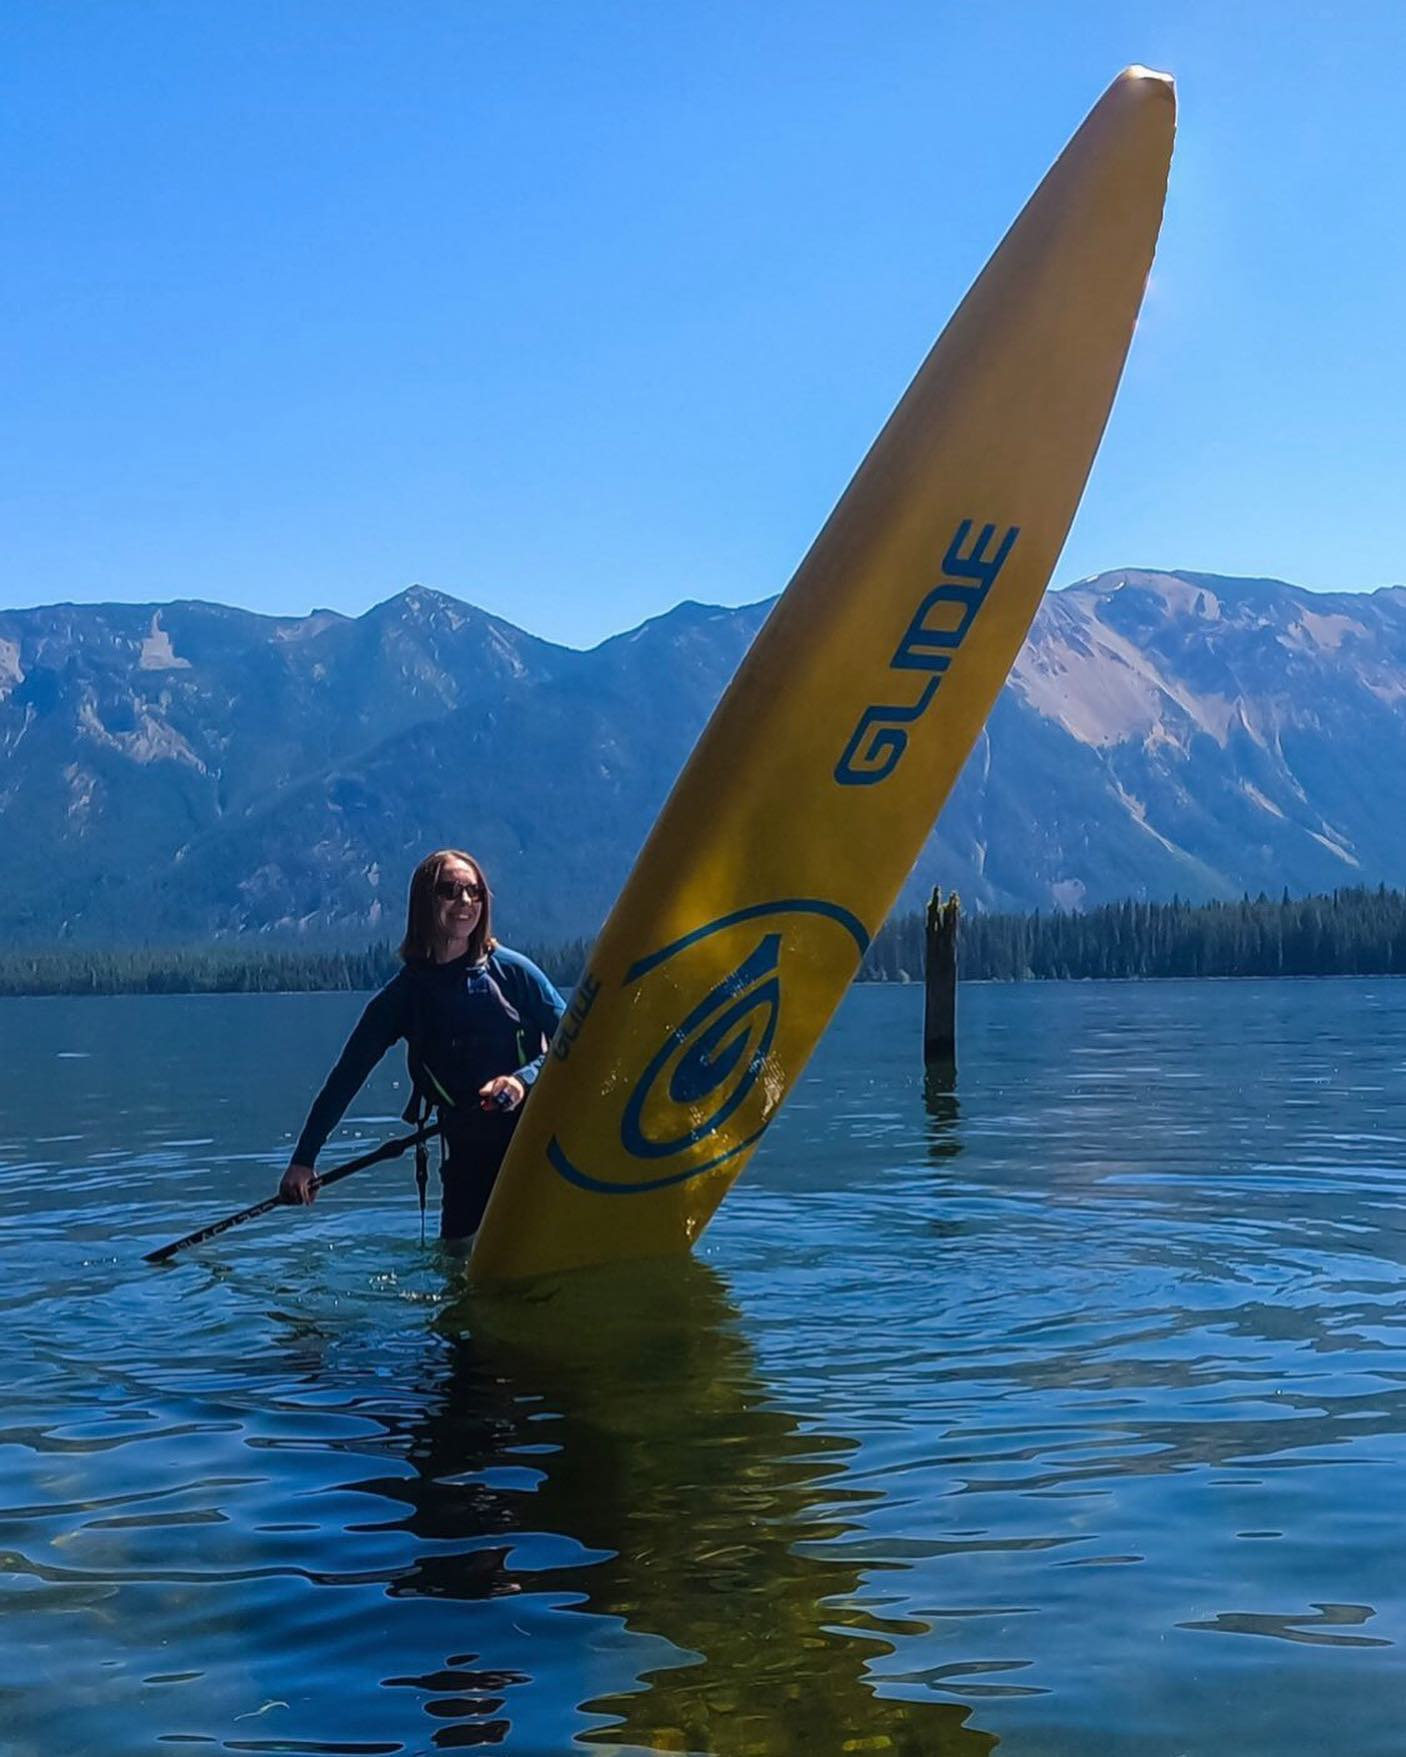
[189, 770]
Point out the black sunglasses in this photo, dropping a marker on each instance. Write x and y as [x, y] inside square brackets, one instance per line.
[450, 890]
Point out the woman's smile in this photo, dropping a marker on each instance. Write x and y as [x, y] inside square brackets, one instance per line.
[458, 907]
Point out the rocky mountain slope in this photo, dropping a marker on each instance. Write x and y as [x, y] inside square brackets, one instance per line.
[182, 770]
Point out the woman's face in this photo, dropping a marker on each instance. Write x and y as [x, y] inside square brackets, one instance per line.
[458, 900]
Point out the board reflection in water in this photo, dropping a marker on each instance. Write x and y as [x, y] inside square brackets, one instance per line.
[700, 1512]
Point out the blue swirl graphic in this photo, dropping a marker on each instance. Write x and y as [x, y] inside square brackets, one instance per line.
[716, 1056]
[738, 1016]
[844, 918]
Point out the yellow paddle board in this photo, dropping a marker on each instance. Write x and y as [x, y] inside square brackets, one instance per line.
[815, 784]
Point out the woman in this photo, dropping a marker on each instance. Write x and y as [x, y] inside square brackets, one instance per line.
[477, 1019]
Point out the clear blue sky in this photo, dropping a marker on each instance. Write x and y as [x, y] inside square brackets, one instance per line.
[578, 309]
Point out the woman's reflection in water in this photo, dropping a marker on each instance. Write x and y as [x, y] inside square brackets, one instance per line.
[704, 1510]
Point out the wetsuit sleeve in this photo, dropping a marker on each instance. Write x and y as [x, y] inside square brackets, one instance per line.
[543, 1007]
[379, 1027]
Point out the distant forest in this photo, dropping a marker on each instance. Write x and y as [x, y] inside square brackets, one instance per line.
[1356, 932]
[1348, 933]
[232, 967]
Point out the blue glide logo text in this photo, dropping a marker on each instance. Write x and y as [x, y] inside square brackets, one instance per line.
[582, 1000]
[937, 630]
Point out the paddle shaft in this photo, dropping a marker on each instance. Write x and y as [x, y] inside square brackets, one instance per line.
[387, 1150]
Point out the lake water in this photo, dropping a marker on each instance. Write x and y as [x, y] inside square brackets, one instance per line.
[1068, 1412]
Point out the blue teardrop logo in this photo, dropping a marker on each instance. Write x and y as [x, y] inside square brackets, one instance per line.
[712, 1061]
[708, 1091]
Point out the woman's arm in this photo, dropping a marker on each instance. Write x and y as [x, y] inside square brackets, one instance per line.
[378, 1028]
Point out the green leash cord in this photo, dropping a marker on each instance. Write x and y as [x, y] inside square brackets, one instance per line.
[422, 1169]
[422, 1152]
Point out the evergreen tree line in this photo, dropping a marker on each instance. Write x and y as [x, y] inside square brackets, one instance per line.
[232, 969]
[1355, 932]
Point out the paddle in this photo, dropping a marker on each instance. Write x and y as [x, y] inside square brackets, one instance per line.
[387, 1150]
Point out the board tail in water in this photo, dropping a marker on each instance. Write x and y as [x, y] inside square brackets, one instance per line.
[810, 794]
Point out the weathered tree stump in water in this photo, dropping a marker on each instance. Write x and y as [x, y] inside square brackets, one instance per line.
[940, 1015]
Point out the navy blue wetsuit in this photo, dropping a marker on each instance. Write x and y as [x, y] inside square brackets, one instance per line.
[464, 1023]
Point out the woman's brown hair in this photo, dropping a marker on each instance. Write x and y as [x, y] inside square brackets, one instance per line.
[421, 933]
